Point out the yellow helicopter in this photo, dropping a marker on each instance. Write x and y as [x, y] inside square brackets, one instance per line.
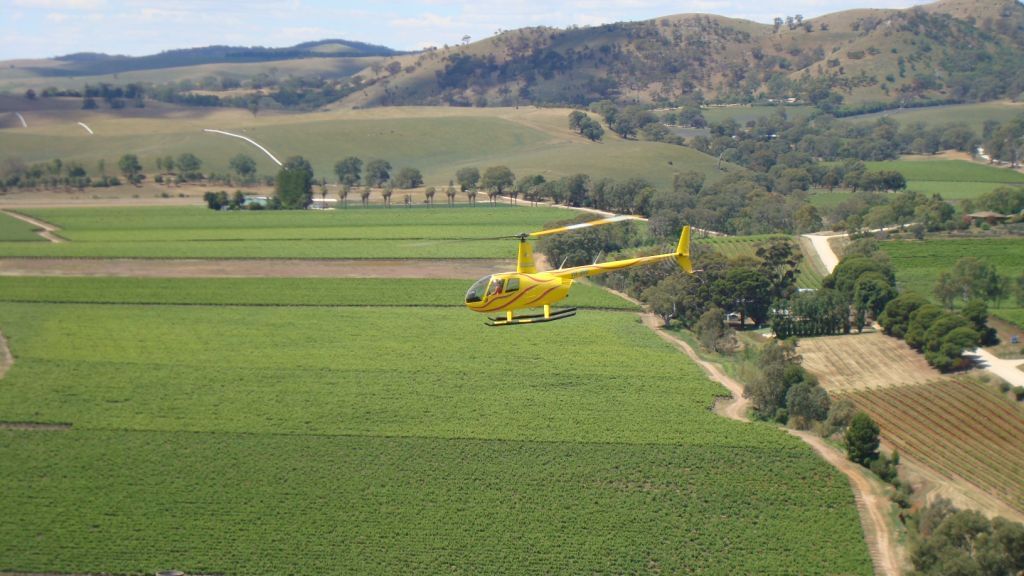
[527, 288]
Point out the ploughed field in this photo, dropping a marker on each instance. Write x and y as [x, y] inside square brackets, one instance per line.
[960, 428]
[366, 426]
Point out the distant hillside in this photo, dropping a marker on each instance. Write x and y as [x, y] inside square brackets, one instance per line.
[951, 50]
[93, 64]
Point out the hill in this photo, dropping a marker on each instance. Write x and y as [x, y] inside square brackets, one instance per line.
[846, 62]
[948, 50]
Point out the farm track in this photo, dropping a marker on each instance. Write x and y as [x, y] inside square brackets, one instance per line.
[873, 505]
[200, 268]
[46, 230]
[6, 358]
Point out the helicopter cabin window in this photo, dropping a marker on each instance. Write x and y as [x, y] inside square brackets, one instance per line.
[476, 291]
[512, 284]
[496, 286]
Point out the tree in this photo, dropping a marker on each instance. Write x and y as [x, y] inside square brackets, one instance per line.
[576, 119]
[408, 178]
[343, 195]
[349, 170]
[895, 319]
[745, 290]
[591, 129]
[189, 165]
[806, 402]
[496, 179]
[430, 192]
[861, 440]
[467, 178]
[450, 193]
[244, 166]
[712, 330]
[130, 167]
[377, 172]
[294, 183]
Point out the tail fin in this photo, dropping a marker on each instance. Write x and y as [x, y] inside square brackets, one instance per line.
[683, 251]
[524, 261]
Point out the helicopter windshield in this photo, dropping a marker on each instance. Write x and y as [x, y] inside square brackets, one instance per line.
[476, 291]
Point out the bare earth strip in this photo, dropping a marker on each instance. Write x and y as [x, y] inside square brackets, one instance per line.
[863, 362]
[469, 269]
[46, 230]
[6, 359]
[873, 504]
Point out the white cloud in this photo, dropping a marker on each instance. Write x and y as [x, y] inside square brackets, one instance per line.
[62, 4]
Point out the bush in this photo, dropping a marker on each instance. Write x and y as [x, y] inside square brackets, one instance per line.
[1018, 392]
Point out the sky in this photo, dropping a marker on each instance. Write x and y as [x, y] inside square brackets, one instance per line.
[46, 28]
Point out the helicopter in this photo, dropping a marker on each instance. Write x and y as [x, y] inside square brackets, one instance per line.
[527, 288]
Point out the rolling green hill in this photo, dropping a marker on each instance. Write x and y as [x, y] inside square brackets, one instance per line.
[437, 141]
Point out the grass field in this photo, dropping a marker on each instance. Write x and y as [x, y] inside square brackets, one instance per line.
[381, 440]
[734, 246]
[14, 230]
[974, 115]
[744, 114]
[438, 141]
[960, 428]
[196, 232]
[923, 169]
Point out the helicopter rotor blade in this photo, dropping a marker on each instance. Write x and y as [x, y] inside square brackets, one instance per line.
[602, 221]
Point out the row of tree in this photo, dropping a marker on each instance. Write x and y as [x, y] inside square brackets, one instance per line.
[941, 335]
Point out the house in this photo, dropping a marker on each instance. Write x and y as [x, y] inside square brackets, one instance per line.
[987, 216]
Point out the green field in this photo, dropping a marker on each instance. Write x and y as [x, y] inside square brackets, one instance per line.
[383, 440]
[919, 263]
[735, 246]
[744, 114]
[196, 232]
[974, 115]
[437, 141]
[14, 230]
[405, 292]
[949, 171]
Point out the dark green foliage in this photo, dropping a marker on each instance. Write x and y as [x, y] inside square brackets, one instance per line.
[349, 170]
[497, 178]
[408, 178]
[806, 402]
[976, 312]
[467, 178]
[189, 166]
[844, 277]
[895, 319]
[712, 331]
[130, 167]
[244, 166]
[921, 320]
[377, 172]
[294, 184]
[216, 200]
[949, 541]
[818, 313]
[861, 439]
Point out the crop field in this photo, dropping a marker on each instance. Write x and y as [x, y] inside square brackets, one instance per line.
[405, 292]
[960, 428]
[868, 361]
[923, 169]
[744, 114]
[734, 246]
[437, 141]
[918, 263]
[196, 232]
[374, 439]
[14, 230]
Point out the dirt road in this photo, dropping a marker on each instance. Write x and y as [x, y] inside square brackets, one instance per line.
[469, 269]
[46, 230]
[872, 502]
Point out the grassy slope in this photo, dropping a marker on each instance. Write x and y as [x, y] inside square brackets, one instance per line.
[438, 141]
[14, 230]
[196, 232]
[368, 440]
[974, 115]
